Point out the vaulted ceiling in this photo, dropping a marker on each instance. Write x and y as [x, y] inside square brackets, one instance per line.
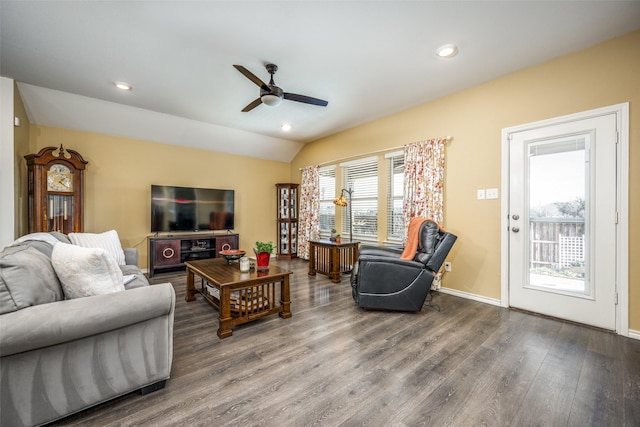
[368, 59]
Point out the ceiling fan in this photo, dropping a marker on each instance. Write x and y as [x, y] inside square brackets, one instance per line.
[272, 95]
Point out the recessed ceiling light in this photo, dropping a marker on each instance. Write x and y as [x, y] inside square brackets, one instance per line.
[447, 51]
[123, 85]
[286, 127]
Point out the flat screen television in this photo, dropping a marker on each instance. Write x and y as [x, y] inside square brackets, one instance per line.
[191, 209]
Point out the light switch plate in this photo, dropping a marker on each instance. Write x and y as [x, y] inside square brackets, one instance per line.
[492, 193]
[481, 194]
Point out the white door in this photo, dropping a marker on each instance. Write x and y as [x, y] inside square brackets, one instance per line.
[562, 220]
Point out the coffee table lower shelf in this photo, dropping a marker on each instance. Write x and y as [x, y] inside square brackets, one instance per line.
[239, 297]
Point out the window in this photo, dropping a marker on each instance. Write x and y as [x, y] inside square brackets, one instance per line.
[395, 218]
[361, 176]
[327, 195]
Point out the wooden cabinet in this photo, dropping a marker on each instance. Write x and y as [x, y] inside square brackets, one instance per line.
[224, 243]
[55, 190]
[287, 220]
[171, 252]
[166, 253]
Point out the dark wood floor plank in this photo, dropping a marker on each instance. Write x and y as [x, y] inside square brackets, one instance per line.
[551, 396]
[332, 363]
[520, 350]
[630, 356]
[598, 399]
[442, 405]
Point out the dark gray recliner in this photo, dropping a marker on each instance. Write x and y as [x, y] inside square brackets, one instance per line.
[382, 280]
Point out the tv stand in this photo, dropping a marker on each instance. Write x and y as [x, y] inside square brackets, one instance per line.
[170, 252]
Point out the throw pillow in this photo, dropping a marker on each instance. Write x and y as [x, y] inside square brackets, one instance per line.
[85, 271]
[42, 237]
[26, 278]
[109, 241]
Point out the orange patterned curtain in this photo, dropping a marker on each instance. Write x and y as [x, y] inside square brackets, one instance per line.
[309, 217]
[424, 180]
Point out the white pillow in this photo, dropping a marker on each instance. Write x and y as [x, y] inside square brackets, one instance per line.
[109, 241]
[85, 272]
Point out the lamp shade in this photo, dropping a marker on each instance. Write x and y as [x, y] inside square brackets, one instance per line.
[271, 100]
[340, 201]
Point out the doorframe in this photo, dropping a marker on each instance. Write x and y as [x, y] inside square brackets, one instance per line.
[622, 196]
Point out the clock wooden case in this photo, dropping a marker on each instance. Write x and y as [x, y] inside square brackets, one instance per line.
[56, 190]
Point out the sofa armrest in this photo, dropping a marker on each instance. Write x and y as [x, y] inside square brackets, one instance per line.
[63, 321]
[130, 256]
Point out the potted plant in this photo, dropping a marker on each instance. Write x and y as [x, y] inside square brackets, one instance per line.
[263, 252]
[338, 239]
[333, 235]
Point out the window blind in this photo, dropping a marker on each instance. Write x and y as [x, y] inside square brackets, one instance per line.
[362, 177]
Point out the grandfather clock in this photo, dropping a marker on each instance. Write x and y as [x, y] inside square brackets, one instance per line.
[56, 190]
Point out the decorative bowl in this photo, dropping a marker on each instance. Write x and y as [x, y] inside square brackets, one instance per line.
[232, 254]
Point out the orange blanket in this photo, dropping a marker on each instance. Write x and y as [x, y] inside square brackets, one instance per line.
[412, 238]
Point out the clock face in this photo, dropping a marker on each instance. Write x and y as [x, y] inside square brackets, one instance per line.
[59, 178]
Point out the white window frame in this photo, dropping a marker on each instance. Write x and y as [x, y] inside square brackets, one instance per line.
[327, 199]
[393, 197]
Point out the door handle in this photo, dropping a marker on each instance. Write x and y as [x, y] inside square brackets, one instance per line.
[515, 229]
[515, 216]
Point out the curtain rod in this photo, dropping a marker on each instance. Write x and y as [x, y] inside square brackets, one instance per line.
[446, 139]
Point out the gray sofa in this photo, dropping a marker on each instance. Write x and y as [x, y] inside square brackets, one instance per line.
[59, 356]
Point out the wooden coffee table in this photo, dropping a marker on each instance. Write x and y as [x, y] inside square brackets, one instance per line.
[239, 297]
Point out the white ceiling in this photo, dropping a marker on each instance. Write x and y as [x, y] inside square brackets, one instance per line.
[367, 58]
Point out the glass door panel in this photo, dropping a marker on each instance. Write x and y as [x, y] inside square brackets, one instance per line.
[558, 199]
[294, 237]
[284, 203]
[284, 238]
[294, 203]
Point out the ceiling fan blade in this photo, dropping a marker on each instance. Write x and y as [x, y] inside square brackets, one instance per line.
[252, 105]
[248, 74]
[305, 99]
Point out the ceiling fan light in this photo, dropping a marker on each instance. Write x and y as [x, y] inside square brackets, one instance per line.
[447, 51]
[271, 100]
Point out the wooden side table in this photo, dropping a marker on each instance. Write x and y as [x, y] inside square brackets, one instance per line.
[331, 258]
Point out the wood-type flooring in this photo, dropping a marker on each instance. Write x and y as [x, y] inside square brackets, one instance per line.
[333, 364]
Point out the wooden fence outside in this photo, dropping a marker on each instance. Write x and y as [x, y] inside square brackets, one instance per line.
[545, 237]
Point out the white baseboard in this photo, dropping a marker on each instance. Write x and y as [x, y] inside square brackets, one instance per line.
[634, 334]
[468, 295]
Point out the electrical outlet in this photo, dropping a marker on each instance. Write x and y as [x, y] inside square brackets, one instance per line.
[447, 266]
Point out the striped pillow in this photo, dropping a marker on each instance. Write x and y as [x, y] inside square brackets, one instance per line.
[109, 241]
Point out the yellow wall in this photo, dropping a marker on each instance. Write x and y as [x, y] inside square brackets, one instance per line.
[21, 149]
[121, 171]
[600, 76]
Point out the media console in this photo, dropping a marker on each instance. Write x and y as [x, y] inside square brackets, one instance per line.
[168, 252]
